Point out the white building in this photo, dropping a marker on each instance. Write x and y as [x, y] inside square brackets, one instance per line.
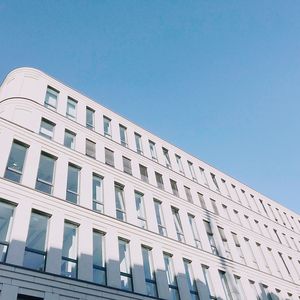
[93, 206]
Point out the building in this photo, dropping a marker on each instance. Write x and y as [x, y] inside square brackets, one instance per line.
[93, 206]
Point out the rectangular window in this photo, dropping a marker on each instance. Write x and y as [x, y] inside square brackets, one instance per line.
[144, 173]
[153, 150]
[35, 249]
[15, 163]
[123, 135]
[202, 201]
[284, 263]
[225, 285]
[188, 194]
[47, 129]
[174, 188]
[254, 290]
[51, 98]
[225, 242]
[44, 180]
[203, 176]
[172, 281]
[194, 231]
[192, 171]
[90, 118]
[69, 139]
[97, 193]
[109, 157]
[190, 279]
[99, 269]
[90, 148]
[226, 213]
[69, 251]
[107, 126]
[73, 183]
[208, 282]
[167, 158]
[250, 252]
[177, 222]
[271, 255]
[159, 218]
[6, 216]
[120, 203]
[127, 165]
[214, 206]
[140, 209]
[179, 164]
[213, 177]
[138, 143]
[159, 181]
[71, 108]
[236, 193]
[262, 257]
[263, 206]
[238, 247]
[226, 188]
[246, 198]
[149, 272]
[210, 236]
[125, 265]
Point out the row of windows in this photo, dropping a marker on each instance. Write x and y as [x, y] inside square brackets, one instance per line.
[47, 129]
[35, 257]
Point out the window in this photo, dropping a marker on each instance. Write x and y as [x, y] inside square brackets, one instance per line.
[167, 158]
[109, 157]
[138, 143]
[123, 135]
[226, 213]
[237, 217]
[236, 194]
[210, 236]
[15, 164]
[144, 173]
[179, 164]
[177, 222]
[214, 206]
[120, 204]
[69, 251]
[107, 126]
[254, 290]
[262, 257]
[172, 282]
[35, 249]
[125, 267]
[73, 183]
[226, 188]
[188, 194]
[69, 139]
[6, 216]
[149, 272]
[127, 165]
[208, 282]
[263, 206]
[203, 176]
[194, 231]
[190, 279]
[174, 188]
[225, 242]
[44, 180]
[238, 247]
[276, 233]
[225, 285]
[274, 262]
[159, 218]
[284, 263]
[250, 252]
[47, 129]
[140, 209]
[213, 177]
[248, 222]
[90, 118]
[71, 108]
[246, 198]
[99, 269]
[159, 181]
[201, 200]
[51, 98]
[97, 193]
[192, 171]
[265, 291]
[90, 148]
[152, 150]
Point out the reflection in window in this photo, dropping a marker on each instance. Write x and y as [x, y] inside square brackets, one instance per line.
[190, 279]
[138, 143]
[99, 270]
[47, 129]
[177, 222]
[107, 126]
[125, 268]
[149, 272]
[140, 209]
[71, 108]
[90, 118]
[97, 193]
[159, 218]
[69, 139]
[172, 281]
[152, 150]
[120, 205]
[123, 135]
[72, 194]
[51, 98]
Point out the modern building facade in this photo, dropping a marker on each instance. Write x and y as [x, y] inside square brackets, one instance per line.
[93, 206]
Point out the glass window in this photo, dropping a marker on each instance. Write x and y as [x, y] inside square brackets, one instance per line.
[179, 164]
[190, 279]
[192, 171]
[99, 269]
[172, 281]
[174, 188]
[214, 179]
[167, 158]
[90, 148]
[225, 285]
[97, 193]
[90, 118]
[159, 181]
[250, 252]
[109, 157]
[214, 206]
[120, 204]
[140, 209]
[226, 188]
[203, 176]
[201, 200]
[47, 128]
[188, 194]
[271, 255]
[194, 231]
[69, 139]
[225, 242]
[254, 290]
[71, 108]
[149, 272]
[107, 126]
[262, 257]
[15, 164]
[35, 249]
[127, 165]
[6, 216]
[238, 247]
[72, 194]
[144, 173]
[177, 222]
[208, 282]
[125, 266]
[44, 180]
[123, 135]
[152, 150]
[210, 236]
[138, 143]
[51, 98]
[246, 198]
[159, 218]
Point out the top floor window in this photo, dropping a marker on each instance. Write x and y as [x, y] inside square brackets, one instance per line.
[123, 135]
[107, 126]
[51, 98]
[167, 158]
[179, 163]
[203, 176]
[152, 150]
[90, 118]
[71, 108]
[213, 177]
[138, 143]
[191, 167]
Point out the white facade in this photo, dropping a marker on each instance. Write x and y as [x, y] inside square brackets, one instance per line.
[94, 207]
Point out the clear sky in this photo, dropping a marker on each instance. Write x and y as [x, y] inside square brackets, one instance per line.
[219, 79]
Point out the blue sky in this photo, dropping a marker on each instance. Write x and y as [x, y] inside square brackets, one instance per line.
[219, 79]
